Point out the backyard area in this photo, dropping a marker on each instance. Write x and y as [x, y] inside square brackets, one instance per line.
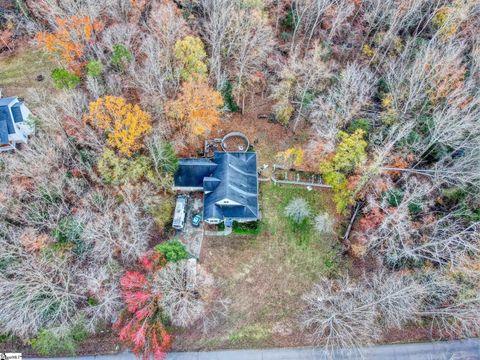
[19, 72]
[263, 272]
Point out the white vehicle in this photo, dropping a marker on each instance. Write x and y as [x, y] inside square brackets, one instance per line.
[180, 211]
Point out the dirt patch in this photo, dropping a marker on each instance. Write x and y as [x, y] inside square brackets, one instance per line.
[266, 137]
[411, 334]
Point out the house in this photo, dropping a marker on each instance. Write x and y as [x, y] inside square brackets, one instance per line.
[14, 128]
[229, 182]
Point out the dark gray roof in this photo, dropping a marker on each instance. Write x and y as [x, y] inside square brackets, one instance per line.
[238, 186]
[210, 183]
[191, 172]
[230, 178]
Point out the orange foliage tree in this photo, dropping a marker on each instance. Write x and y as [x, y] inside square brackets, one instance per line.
[125, 124]
[197, 107]
[69, 40]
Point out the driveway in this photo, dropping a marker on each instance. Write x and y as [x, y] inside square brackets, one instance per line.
[440, 350]
[190, 236]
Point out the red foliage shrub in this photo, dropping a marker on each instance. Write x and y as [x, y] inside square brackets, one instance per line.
[153, 261]
[140, 325]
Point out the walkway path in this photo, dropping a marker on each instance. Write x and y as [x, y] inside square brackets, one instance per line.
[441, 350]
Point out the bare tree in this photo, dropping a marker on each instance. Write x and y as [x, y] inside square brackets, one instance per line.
[50, 10]
[240, 39]
[182, 285]
[390, 17]
[216, 28]
[217, 314]
[102, 283]
[298, 210]
[343, 101]
[310, 15]
[340, 314]
[441, 239]
[344, 315]
[38, 292]
[323, 223]
[119, 229]
[158, 72]
[299, 80]
[452, 304]
[398, 297]
[119, 33]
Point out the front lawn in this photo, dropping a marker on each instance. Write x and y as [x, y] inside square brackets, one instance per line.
[263, 272]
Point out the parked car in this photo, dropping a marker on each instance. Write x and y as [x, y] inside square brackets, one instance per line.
[196, 220]
[180, 211]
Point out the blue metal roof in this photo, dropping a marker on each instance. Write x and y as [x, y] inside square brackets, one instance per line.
[17, 112]
[3, 133]
[230, 183]
[10, 112]
[6, 117]
[6, 122]
[8, 100]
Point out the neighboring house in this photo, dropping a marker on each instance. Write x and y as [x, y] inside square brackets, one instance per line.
[14, 128]
[229, 182]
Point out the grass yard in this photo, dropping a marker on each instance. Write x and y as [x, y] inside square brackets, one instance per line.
[264, 275]
[19, 70]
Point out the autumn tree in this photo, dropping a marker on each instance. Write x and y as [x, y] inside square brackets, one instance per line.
[291, 157]
[164, 291]
[70, 39]
[191, 55]
[156, 72]
[124, 124]
[349, 156]
[197, 107]
[140, 326]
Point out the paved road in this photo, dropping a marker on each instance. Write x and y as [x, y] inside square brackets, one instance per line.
[442, 350]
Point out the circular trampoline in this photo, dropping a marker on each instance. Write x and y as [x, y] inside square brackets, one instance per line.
[235, 142]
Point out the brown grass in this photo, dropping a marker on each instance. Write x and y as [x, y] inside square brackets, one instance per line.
[19, 70]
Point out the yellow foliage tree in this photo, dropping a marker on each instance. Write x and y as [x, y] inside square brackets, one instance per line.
[349, 157]
[291, 157]
[190, 53]
[125, 124]
[443, 20]
[197, 106]
[69, 40]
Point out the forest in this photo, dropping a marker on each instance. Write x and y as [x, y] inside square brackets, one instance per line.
[378, 98]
